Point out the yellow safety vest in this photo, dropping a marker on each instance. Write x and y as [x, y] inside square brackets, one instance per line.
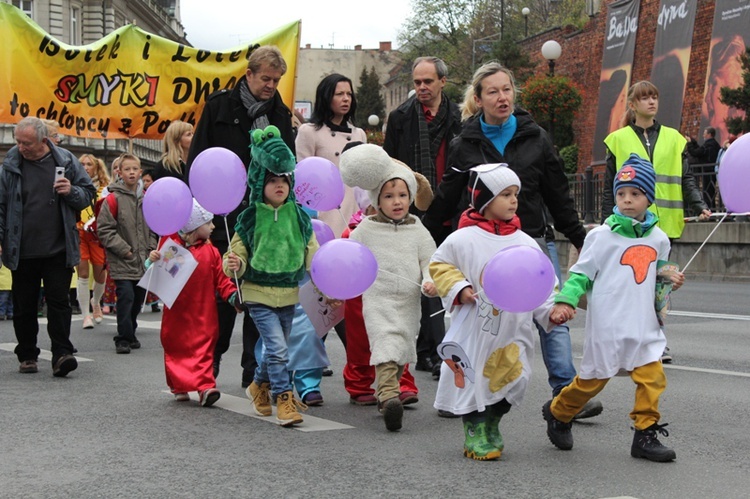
[667, 161]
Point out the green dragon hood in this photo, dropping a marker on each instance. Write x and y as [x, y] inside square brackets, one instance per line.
[270, 154]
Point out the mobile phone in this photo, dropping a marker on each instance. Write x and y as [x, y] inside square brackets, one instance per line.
[59, 172]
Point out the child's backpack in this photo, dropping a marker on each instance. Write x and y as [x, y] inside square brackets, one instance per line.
[111, 202]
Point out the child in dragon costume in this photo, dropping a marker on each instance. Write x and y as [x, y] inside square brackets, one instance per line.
[272, 248]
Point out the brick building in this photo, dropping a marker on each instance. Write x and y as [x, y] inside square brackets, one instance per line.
[581, 60]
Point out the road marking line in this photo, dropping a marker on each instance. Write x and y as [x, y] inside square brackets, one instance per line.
[708, 371]
[696, 369]
[706, 315]
[44, 354]
[243, 406]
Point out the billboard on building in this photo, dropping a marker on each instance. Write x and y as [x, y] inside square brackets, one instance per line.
[729, 38]
[617, 66]
[129, 84]
[674, 36]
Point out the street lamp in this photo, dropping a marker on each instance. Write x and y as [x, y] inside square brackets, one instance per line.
[551, 51]
[526, 11]
[373, 120]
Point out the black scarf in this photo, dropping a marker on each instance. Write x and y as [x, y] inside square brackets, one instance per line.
[431, 135]
[338, 128]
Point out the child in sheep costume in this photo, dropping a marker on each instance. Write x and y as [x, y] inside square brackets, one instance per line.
[402, 247]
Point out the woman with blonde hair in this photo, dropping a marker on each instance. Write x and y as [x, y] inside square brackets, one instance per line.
[91, 250]
[176, 141]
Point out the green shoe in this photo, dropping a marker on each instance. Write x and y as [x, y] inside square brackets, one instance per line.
[493, 432]
[494, 414]
[476, 445]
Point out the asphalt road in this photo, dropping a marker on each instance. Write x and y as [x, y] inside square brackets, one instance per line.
[111, 430]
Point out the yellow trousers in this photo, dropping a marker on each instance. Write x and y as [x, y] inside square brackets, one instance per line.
[650, 383]
[388, 375]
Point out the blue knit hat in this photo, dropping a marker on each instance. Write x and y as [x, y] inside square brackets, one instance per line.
[639, 173]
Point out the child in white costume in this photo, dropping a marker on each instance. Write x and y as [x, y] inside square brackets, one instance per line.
[488, 352]
[617, 270]
[402, 247]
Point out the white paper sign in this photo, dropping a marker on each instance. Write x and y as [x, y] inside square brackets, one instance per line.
[322, 316]
[168, 276]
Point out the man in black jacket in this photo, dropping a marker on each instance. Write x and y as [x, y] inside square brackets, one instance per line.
[419, 133]
[707, 155]
[227, 120]
[42, 189]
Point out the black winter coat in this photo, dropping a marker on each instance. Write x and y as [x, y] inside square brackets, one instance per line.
[224, 123]
[402, 133]
[707, 153]
[531, 156]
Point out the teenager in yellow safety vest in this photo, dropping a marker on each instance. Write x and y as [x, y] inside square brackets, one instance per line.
[665, 148]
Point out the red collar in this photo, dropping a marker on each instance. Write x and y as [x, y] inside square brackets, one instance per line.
[471, 217]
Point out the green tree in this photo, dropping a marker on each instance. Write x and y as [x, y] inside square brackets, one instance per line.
[553, 99]
[467, 33]
[739, 98]
[440, 28]
[369, 99]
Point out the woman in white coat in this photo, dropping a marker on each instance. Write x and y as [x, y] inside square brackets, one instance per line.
[330, 129]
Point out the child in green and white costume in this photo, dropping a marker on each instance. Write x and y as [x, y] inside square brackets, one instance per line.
[271, 250]
[617, 271]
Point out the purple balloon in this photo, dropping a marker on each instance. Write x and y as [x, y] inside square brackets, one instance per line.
[518, 278]
[323, 233]
[217, 179]
[167, 205]
[734, 176]
[318, 184]
[343, 269]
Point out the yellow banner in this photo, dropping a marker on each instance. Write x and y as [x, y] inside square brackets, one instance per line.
[128, 84]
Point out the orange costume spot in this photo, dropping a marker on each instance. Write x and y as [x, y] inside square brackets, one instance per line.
[458, 373]
[639, 258]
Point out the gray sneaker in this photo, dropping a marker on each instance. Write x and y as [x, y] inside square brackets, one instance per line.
[28, 367]
[666, 357]
[591, 409]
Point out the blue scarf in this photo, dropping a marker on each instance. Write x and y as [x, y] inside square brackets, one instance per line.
[499, 135]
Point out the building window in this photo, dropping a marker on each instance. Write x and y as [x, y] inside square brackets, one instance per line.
[75, 26]
[26, 6]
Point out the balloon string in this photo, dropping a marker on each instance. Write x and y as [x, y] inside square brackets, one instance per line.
[346, 222]
[704, 243]
[148, 284]
[400, 277]
[229, 246]
[441, 311]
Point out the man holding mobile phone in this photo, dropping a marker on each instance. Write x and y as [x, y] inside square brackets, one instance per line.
[38, 238]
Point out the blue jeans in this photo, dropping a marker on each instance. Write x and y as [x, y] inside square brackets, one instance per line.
[556, 350]
[274, 326]
[6, 304]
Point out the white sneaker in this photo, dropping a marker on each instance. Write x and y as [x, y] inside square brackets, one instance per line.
[88, 322]
[181, 397]
[97, 311]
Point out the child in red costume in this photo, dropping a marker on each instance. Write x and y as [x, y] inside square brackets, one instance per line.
[359, 375]
[190, 328]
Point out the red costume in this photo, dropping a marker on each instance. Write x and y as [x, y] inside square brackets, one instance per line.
[190, 328]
